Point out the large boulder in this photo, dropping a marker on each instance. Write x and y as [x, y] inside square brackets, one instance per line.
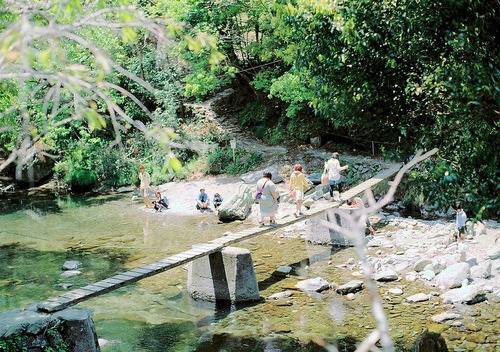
[317, 284]
[453, 276]
[33, 329]
[470, 294]
[237, 207]
[253, 176]
[315, 178]
[482, 270]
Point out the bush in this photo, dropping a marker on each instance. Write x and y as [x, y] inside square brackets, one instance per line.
[91, 162]
[220, 161]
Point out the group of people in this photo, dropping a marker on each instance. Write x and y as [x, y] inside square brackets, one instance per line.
[203, 201]
[268, 197]
[161, 202]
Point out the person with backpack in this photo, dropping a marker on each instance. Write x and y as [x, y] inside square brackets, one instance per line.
[298, 185]
[267, 196]
[332, 170]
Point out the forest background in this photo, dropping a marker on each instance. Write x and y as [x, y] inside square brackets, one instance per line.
[408, 74]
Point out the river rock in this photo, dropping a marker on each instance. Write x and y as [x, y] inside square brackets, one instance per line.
[396, 291]
[386, 275]
[102, 342]
[317, 284]
[70, 273]
[280, 295]
[494, 253]
[453, 276]
[430, 342]
[74, 326]
[125, 189]
[421, 264]
[284, 269]
[315, 178]
[481, 271]
[253, 176]
[470, 294]
[316, 142]
[442, 317]
[352, 286]
[436, 266]
[71, 265]
[238, 207]
[308, 203]
[427, 275]
[411, 276]
[419, 297]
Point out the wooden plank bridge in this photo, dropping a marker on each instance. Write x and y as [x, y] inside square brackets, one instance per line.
[199, 250]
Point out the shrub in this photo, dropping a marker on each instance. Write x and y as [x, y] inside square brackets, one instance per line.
[220, 161]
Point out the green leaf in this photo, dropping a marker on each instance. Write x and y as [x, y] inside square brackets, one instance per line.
[95, 120]
[174, 164]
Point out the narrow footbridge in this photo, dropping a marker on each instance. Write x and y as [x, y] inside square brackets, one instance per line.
[199, 250]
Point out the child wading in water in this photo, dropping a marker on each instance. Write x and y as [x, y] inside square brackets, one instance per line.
[460, 220]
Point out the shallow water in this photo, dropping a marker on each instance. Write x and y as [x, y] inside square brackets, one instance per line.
[111, 233]
[108, 234]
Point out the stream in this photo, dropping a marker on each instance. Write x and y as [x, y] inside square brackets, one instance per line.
[109, 234]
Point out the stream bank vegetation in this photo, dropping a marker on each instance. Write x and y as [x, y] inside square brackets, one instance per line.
[85, 89]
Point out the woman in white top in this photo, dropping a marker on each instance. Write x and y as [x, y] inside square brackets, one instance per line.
[333, 169]
[267, 196]
[145, 185]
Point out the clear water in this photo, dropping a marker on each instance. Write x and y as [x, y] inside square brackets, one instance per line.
[109, 234]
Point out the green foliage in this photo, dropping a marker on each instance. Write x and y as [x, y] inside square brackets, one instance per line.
[92, 162]
[414, 74]
[220, 161]
[52, 338]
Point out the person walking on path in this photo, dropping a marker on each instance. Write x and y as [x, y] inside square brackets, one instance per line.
[267, 197]
[298, 185]
[145, 186]
[332, 170]
[460, 220]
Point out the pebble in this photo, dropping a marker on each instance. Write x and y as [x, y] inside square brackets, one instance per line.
[441, 317]
[280, 295]
[350, 296]
[419, 297]
[396, 291]
[350, 287]
[71, 265]
[70, 273]
[284, 269]
[102, 342]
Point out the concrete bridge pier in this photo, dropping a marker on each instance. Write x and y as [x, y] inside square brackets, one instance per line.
[227, 276]
[318, 233]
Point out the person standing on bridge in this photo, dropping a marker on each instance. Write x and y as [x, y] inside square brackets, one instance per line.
[333, 169]
[267, 197]
[298, 186]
